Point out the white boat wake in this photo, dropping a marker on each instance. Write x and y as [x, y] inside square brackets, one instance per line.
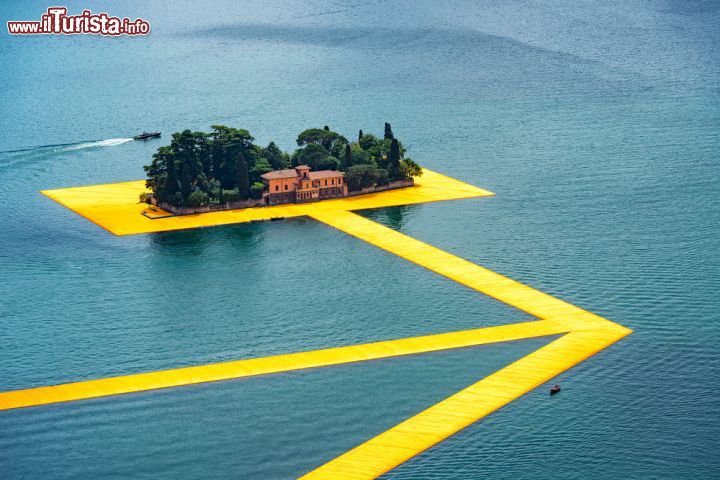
[110, 142]
[9, 158]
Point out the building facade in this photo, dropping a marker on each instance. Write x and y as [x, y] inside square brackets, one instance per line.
[300, 185]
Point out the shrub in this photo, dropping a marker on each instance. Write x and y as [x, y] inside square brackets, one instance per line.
[230, 195]
[364, 176]
[197, 199]
[145, 197]
[175, 199]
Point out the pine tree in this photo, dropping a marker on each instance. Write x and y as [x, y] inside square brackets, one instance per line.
[394, 160]
[241, 176]
[347, 158]
[326, 128]
[275, 156]
[388, 132]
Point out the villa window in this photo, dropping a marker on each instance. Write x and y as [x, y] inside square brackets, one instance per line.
[285, 187]
[332, 181]
[277, 187]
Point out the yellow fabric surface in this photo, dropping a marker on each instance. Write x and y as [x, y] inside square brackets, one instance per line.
[115, 207]
[589, 334]
[274, 364]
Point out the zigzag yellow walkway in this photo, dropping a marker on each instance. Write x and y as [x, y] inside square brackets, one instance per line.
[586, 335]
[115, 208]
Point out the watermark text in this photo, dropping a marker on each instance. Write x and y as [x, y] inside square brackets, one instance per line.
[56, 21]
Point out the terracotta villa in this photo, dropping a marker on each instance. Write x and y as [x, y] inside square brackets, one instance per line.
[300, 185]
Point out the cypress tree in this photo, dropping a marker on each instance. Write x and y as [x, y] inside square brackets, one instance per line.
[347, 158]
[360, 135]
[394, 160]
[388, 132]
[241, 176]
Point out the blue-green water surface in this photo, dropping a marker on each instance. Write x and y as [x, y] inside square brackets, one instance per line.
[598, 126]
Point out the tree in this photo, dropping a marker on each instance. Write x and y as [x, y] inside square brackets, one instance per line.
[410, 169]
[231, 195]
[204, 157]
[275, 157]
[260, 168]
[354, 177]
[360, 156]
[185, 182]
[214, 189]
[185, 152]
[379, 176]
[311, 155]
[364, 176]
[241, 175]
[227, 144]
[159, 177]
[329, 163]
[388, 132]
[225, 164]
[367, 141]
[256, 191]
[347, 158]
[325, 138]
[172, 186]
[394, 160]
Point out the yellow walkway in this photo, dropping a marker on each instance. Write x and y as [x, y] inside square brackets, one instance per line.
[588, 335]
[115, 208]
[263, 366]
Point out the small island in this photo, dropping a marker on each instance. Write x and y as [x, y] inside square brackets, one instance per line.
[201, 172]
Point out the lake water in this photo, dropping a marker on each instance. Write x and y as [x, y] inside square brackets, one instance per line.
[596, 125]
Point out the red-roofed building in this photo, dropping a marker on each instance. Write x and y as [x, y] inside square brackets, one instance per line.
[300, 185]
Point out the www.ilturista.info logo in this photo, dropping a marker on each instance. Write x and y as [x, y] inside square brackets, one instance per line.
[57, 22]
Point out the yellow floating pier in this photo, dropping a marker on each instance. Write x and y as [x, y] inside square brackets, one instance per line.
[587, 334]
[115, 207]
[278, 363]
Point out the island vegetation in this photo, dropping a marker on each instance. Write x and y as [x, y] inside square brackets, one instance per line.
[225, 165]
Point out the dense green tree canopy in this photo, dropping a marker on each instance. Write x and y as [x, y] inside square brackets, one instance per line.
[275, 157]
[199, 168]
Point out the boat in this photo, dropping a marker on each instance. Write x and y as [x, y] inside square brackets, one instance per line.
[146, 135]
[555, 389]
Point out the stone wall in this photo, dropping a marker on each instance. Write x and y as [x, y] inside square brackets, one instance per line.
[210, 208]
[382, 188]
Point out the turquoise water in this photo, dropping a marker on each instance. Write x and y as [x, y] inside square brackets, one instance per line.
[597, 127]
